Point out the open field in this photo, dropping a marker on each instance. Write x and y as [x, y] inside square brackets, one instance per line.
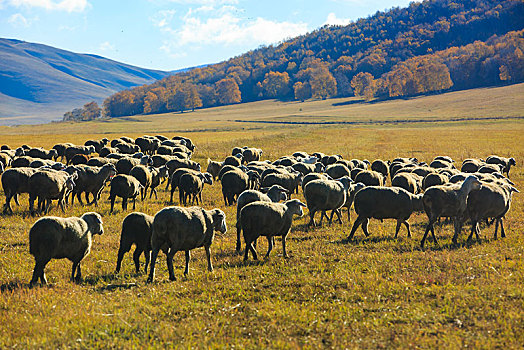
[376, 292]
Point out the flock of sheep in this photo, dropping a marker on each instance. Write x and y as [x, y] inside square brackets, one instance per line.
[262, 191]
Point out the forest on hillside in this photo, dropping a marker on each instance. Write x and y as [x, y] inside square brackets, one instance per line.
[427, 47]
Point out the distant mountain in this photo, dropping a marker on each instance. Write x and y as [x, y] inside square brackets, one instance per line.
[38, 83]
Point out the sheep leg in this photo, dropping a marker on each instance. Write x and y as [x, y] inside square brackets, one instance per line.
[37, 273]
[147, 255]
[208, 256]
[15, 198]
[188, 257]
[239, 231]
[180, 197]
[330, 219]
[502, 233]
[124, 203]
[339, 218]
[169, 261]
[474, 227]
[428, 228]
[477, 232]
[32, 204]
[433, 234]
[284, 252]
[356, 224]
[134, 202]
[365, 226]
[136, 259]
[121, 253]
[171, 198]
[269, 246]
[399, 222]
[86, 195]
[408, 228]
[73, 270]
[79, 196]
[458, 227]
[312, 218]
[153, 190]
[112, 203]
[154, 255]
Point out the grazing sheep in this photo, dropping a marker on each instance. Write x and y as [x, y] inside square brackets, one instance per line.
[185, 141]
[97, 144]
[158, 175]
[444, 158]
[144, 176]
[79, 159]
[323, 195]
[234, 183]
[490, 201]
[434, 179]
[345, 162]
[439, 164]
[176, 163]
[42, 153]
[314, 176]
[290, 182]
[47, 185]
[422, 171]
[159, 160]
[176, 229]
[352, 191]
[490, 168]
[5, 159]
[354, 173]
[161, 137]
[361, 164]
[22, 161]
[15, 181]
[127, 148]
[191, 185]
[148, 145]
[370, 178]
[448, 201]
[126, 187]
[214, 167]
[175, 179]
[408, 181]
[471, 165]
[305, 168]
[61, 149]
[72, 150]
[285, 161]
[106, 150]
[124, 165]
[337, 170]
[136, 229]
[57, 238]
[251, 154]
[99, 161]
[91, 180]
[268, 219]
[380, 166]
[117, 156]
[275, 194]
[233, 160]
[506, 163]
[276, 169]
[384, 203]
[38, 163]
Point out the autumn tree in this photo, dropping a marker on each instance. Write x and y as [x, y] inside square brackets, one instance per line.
[193, 97]
[275, 85]
[302, 91]
[91, 111]
[363, 84]
[227, 91]
[400, 82]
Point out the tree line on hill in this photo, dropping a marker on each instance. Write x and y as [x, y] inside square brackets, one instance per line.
[427, 47]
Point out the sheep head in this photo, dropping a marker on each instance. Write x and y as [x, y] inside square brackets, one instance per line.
[94, 222]
[295, 206]
[219, 220]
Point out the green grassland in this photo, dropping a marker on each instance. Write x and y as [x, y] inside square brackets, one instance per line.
[376, 292]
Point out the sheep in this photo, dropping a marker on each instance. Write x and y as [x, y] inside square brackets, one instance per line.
[330, 159]
[15, 181]
[490, 201]
[100, 161]
[444, 158]
[438, 164]
[408, 181]
[61, 149]
[290, 182]
[268, 219]
[322, 195]
[285, 161]
[370, 178]
[57, 238]
[305, 168]
[300, 154]
[380, 166]
[105, 151]
[276, 169]
[125, 186]
[127, 148]
[161, 137]
[352, 191]
[38, 163]
[5, 159]
[505, 162]
[471, 165]
[187, 141]
[337, 171]
[91, 180]
[213, 167]
[42, 153]
[136, 229]
[434, 179]
[347, 163]
[22, 161]
[176, 228]
[176, 163]
[192, 185]
[314, 176]
[97, 144]
[422, 171]
[233, 160]
[448, 201]
[79, 159]
[48, 185]
[490, 168]
[144, 176]
[159, 160]
[148, 145]
[117, 156]
[354, 172]
[175, 179]
[362, 164]
[1, 168]
[234, 183]
[127, 139]
[165, 150]
[379, 202]
[251, 154]
[72, 150]
[157, 177]
[275, 194]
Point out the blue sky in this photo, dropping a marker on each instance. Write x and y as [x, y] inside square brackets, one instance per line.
[173, 34]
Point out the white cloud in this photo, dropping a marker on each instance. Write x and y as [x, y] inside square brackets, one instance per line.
[200, 2]
[106, 46]
[162, 19]
[228, 29]
[18, 20]
[63, 5]
[333, 20]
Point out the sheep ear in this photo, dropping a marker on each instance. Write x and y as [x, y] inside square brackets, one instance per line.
[302, 204]
[514, 189]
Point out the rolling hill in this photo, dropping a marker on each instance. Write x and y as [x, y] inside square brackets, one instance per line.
[38, 83]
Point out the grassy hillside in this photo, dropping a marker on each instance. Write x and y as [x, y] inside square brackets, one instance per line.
[376, 292]
[34, 74]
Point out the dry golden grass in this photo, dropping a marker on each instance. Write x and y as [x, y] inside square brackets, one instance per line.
[374, 293]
